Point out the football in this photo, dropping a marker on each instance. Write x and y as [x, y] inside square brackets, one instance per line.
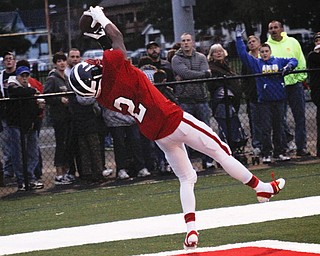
[85, 24]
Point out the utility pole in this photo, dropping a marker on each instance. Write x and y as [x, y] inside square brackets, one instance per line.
[46, 8]
[69, 28]
[182, 13]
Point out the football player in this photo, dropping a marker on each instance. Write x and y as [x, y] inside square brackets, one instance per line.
[120, 86]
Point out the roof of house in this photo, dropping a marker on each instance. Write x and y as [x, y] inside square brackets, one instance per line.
[11, 22]
[33, 19]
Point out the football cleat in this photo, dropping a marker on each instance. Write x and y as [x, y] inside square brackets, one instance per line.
[277, 185]
[191, 241]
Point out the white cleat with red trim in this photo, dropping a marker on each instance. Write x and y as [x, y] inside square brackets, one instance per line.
[277, 185]
[191, 241]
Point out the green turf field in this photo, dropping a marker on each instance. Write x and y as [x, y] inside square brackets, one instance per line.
[34, 212]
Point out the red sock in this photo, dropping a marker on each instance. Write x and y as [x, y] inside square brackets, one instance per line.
[191, 216]
[190, 219]
[253, 183]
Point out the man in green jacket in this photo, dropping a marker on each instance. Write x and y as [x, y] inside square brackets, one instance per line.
[283, 45]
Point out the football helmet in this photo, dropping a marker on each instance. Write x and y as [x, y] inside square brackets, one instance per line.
[85, 80]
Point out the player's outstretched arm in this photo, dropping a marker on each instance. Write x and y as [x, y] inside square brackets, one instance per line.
[111, 30]
[101, 37]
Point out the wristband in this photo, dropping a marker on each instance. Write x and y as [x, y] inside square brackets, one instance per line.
[105, 22]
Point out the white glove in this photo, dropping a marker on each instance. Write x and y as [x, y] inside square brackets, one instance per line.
[96, 35]
[239, 31]
[97, 16]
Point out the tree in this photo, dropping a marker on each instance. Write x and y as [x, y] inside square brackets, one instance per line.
[295, 14]
[14, 43]
[160, 16]
[12, 5]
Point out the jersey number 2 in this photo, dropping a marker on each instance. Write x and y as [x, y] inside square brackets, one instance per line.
[131, 108]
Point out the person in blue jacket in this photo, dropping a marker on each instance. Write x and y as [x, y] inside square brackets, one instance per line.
[271, 96]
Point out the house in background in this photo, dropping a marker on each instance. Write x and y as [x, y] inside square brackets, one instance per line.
[39, 42]
[127, 14]
[152, 34]
[16, 23]
[11, 22]
[129, 17]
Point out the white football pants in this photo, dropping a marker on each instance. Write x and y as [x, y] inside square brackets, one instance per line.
[201, 137]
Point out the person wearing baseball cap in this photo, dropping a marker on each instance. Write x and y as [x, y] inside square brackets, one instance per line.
[34, 83]
[154, 52]
[316, 36]
[22, 70]
[152, 43]
[316, 40]
[23, 121]
[22, 75]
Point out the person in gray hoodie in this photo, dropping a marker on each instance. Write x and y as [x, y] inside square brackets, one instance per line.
[188, 64]
[60, 116]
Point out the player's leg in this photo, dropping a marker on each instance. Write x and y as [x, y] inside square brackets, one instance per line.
[177, 156]
[201, 137]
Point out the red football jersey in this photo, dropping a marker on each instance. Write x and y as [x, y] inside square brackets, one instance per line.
[126, 89]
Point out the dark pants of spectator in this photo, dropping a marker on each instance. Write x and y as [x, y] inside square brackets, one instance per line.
[6, 150]
[255, 119]
[62, 133]
[150, 153]
[127, 143]
[296, 101]
[90, 155]
[272, 126]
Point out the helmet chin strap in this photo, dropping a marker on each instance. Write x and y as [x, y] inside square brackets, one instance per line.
[96, 72]
[97, 77]
[98, 88]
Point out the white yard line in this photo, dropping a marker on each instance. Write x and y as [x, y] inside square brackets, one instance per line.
[158, 225]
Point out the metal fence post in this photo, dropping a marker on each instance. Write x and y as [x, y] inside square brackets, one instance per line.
[227, 109]
[23, 150]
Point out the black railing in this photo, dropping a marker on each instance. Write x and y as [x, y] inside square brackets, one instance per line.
[47, 138]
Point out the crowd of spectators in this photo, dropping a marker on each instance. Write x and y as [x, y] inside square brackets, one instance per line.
[81, 125]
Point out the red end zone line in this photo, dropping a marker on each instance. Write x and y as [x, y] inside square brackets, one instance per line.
[258, 248]
[252, 251]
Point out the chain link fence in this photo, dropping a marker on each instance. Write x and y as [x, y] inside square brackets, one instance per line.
[46, 171]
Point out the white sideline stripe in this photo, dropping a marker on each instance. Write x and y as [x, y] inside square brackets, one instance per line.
[158, 225]
[273, 244]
